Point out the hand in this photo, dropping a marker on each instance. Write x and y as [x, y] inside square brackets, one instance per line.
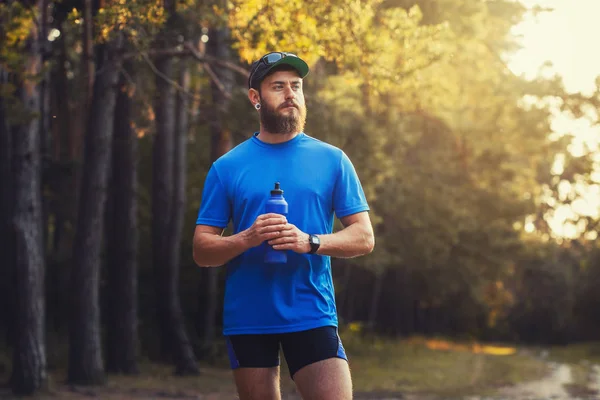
[265, 227]
[291, 238]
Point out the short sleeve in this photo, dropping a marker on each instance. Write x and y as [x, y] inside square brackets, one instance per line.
[215, 209]
[348, 195]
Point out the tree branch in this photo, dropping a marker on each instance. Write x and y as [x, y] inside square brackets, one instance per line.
[189, 51]
[213, 60]
[217, 81]
[166, 78]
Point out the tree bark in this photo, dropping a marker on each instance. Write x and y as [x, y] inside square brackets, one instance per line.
[185, 353]
[61, 183]
[90, 9]
[375, 297]
[122, 238]
[221, 142]
[346, 294]
[85, 355]
[162, 189]
[7, 254]
[45, 118]
[167, 187]
[29, 352]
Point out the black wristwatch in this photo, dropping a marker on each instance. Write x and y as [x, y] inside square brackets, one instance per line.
[314, 242]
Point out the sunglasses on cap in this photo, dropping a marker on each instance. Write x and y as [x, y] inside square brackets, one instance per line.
[275, 56]
[270, 59]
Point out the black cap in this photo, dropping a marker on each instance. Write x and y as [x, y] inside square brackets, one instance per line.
[260, 69]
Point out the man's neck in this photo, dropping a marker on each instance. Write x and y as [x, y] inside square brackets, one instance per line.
[274, 138]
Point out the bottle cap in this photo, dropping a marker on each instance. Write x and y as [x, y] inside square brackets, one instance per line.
[277, 189]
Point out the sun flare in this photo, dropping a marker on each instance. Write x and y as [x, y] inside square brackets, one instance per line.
[566, 37]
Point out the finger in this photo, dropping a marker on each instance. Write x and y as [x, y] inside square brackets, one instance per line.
[284, 229]
[289, 235]
[270, 222]
[285, 246]
[276, 241]
[271, 228]
[267, 216]
[282, 240]
[270, 236]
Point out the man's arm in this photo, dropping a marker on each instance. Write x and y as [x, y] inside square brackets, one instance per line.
[356, 239]
[211, 249]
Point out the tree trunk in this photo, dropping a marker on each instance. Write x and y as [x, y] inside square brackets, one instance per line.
[85, 355]
[45, 124]
[61, 183]
[122, 239]
[167, 184]
[162, 190]
[349, 303]
[346, 294]
[90, 9]
[29, 353]
[375, 297]
[187, 363]
[7, 254]
[63, 172]
[221, 142]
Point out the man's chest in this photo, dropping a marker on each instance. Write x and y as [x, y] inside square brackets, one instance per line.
[303, 184]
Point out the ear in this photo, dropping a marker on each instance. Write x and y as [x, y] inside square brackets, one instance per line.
[253, 96]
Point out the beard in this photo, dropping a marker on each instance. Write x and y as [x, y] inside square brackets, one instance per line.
[273, 121]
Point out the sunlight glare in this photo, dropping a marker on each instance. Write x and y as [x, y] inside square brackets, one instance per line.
[567, 38]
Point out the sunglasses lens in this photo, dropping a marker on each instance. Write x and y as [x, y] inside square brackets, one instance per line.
[272, 58]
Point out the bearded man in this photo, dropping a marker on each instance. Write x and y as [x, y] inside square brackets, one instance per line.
[289, 305]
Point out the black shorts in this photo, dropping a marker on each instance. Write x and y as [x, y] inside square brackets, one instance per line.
[299, 348]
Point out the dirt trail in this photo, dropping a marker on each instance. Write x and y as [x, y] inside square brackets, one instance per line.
[551, 387]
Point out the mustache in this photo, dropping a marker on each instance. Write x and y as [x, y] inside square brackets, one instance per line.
[289, 104]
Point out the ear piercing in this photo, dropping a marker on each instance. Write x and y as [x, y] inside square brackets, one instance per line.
[257, 106]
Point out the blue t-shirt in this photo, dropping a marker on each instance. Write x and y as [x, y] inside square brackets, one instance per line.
[318, 181]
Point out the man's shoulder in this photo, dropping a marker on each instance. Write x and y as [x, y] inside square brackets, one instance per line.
[320, 144]
[237, 154]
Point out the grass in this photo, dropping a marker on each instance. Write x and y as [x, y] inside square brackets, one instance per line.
[411, 366]
[576, 353]
[378, 365]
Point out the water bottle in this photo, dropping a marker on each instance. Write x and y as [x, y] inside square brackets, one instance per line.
[276, 204]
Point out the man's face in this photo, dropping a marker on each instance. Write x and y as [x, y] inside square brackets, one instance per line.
[282, 103]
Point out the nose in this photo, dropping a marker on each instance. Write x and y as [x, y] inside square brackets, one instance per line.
[289, 93]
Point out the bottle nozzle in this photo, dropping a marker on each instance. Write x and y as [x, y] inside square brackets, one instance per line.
[277, 189]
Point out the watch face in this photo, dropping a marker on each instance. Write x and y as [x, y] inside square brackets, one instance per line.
[314, 239]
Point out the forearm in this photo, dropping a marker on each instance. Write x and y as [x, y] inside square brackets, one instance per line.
[353, 241]
[211, 250]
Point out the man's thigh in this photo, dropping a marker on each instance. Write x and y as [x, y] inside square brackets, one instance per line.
[318, 363]
[255, 363]
[257, 383]
[325, 380]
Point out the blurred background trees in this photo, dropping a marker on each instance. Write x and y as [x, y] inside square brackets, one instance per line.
[111, 113]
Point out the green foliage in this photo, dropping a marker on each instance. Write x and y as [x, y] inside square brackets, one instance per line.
[139, 19]
[18, 29]
[16, 23]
